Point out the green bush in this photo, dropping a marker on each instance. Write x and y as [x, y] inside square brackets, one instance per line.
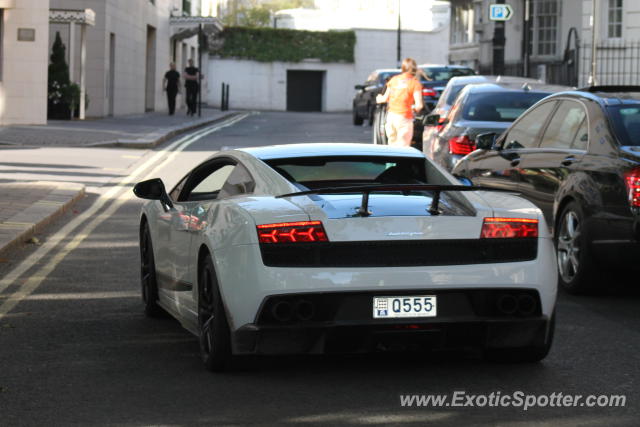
[271, 44]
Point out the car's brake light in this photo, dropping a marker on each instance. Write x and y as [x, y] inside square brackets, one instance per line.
[461, 145]
[632, 181]
[427, 91]
[498, 228]
[292, 232]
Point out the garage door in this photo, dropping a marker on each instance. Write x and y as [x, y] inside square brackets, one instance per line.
[304, 90]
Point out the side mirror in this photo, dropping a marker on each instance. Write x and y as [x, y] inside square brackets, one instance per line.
[464, 180]
[486, 141]
[153, 189]
[359, 87]
[432, 120]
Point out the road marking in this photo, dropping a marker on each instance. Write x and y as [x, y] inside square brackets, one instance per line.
[32, 283]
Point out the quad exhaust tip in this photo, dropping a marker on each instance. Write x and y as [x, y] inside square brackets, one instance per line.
[285, 311]
[522, 304]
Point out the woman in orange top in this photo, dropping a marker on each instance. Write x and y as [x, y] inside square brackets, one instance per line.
[403, 97]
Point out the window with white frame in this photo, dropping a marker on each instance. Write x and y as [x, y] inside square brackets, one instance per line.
[462, 24]
[614, 19]
[543, 27]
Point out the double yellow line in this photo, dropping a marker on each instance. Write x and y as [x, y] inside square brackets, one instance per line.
[114, 198]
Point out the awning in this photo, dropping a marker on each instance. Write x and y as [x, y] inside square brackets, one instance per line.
[183, 27]
[67, 16]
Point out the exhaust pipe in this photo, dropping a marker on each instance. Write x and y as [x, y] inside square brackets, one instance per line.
[304, 310]
[526, 305]
[282, 311]
[507, 304]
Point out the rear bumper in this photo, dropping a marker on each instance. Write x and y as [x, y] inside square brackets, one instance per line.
[342, 322]
[368, 337]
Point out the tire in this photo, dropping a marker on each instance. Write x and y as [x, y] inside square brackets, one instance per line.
[576, 267]
[357, 120]
[214, 337]
[148, 279]
[378, 131]
[529, 354]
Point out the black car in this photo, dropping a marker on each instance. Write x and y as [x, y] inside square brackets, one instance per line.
[479, 108]
[364, 102]
[433, 78]
[576, 155]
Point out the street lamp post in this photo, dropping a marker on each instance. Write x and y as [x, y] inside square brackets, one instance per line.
[399, 46]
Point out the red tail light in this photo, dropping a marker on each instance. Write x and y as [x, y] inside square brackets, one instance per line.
[461, 145]
[427, 91]
[500, 228]
[632, 180]
[292, 232]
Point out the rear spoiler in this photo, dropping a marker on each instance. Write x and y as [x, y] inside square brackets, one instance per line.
[404, 188]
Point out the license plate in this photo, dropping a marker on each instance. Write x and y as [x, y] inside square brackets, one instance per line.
[406, 306]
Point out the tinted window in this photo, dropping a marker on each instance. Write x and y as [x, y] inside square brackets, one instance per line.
[239, 182]
[581, 140]
[626, 122]
[345, 170]
[453, 93]
[498, 106]
[212, 183]
[564, 126]
[445, 73]
[524, 134]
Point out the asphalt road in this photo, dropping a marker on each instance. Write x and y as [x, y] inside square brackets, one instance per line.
[75, 348]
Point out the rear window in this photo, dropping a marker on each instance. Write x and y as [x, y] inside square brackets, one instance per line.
[386, 76]
[453, 93]
[445, 73]
[499, 106]
[626, 123]
[316, 172]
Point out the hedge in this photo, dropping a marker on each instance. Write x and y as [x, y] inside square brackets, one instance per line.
[274, 44]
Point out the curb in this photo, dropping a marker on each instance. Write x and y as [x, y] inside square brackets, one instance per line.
[23, 225]
[152, 140]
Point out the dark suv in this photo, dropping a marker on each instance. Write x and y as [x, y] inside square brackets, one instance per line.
[364, 102]
[576, 155]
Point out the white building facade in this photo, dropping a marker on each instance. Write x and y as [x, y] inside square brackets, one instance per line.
[24, 54]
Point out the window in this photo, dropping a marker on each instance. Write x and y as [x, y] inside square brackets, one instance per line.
[239, 182]
[626, 123]
[315, 172]
[543, 28]
[462, 24]
[212, 183]
[524, 134]
[564, 126]
[614, 19]
[499, 106]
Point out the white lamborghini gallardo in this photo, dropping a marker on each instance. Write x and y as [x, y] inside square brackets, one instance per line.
[321, 248]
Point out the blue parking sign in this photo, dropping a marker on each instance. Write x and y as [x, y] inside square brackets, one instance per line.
[500, 12]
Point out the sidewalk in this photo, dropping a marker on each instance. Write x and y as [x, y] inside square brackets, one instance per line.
[25, 208]
[131, 131]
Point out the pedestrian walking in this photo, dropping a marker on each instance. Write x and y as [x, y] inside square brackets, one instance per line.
[171, 84]
[403, 96]
[191, 84]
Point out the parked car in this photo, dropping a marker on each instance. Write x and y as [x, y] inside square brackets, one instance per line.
[481, 108]
[576, 155]
[324, 248]
[451, 92]
[437, 78]
[433, 79]
[364, 101]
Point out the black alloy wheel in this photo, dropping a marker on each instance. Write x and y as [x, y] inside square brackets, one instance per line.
[215, 341]
[148, 278]
[576, 267]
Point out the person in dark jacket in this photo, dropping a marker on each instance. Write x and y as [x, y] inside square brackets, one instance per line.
[191, 83]
[171, 84]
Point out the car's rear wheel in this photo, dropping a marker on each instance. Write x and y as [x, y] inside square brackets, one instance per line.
[527, 354]
[357, 120]
[575, 264]
[148, 278]
[215, 340]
